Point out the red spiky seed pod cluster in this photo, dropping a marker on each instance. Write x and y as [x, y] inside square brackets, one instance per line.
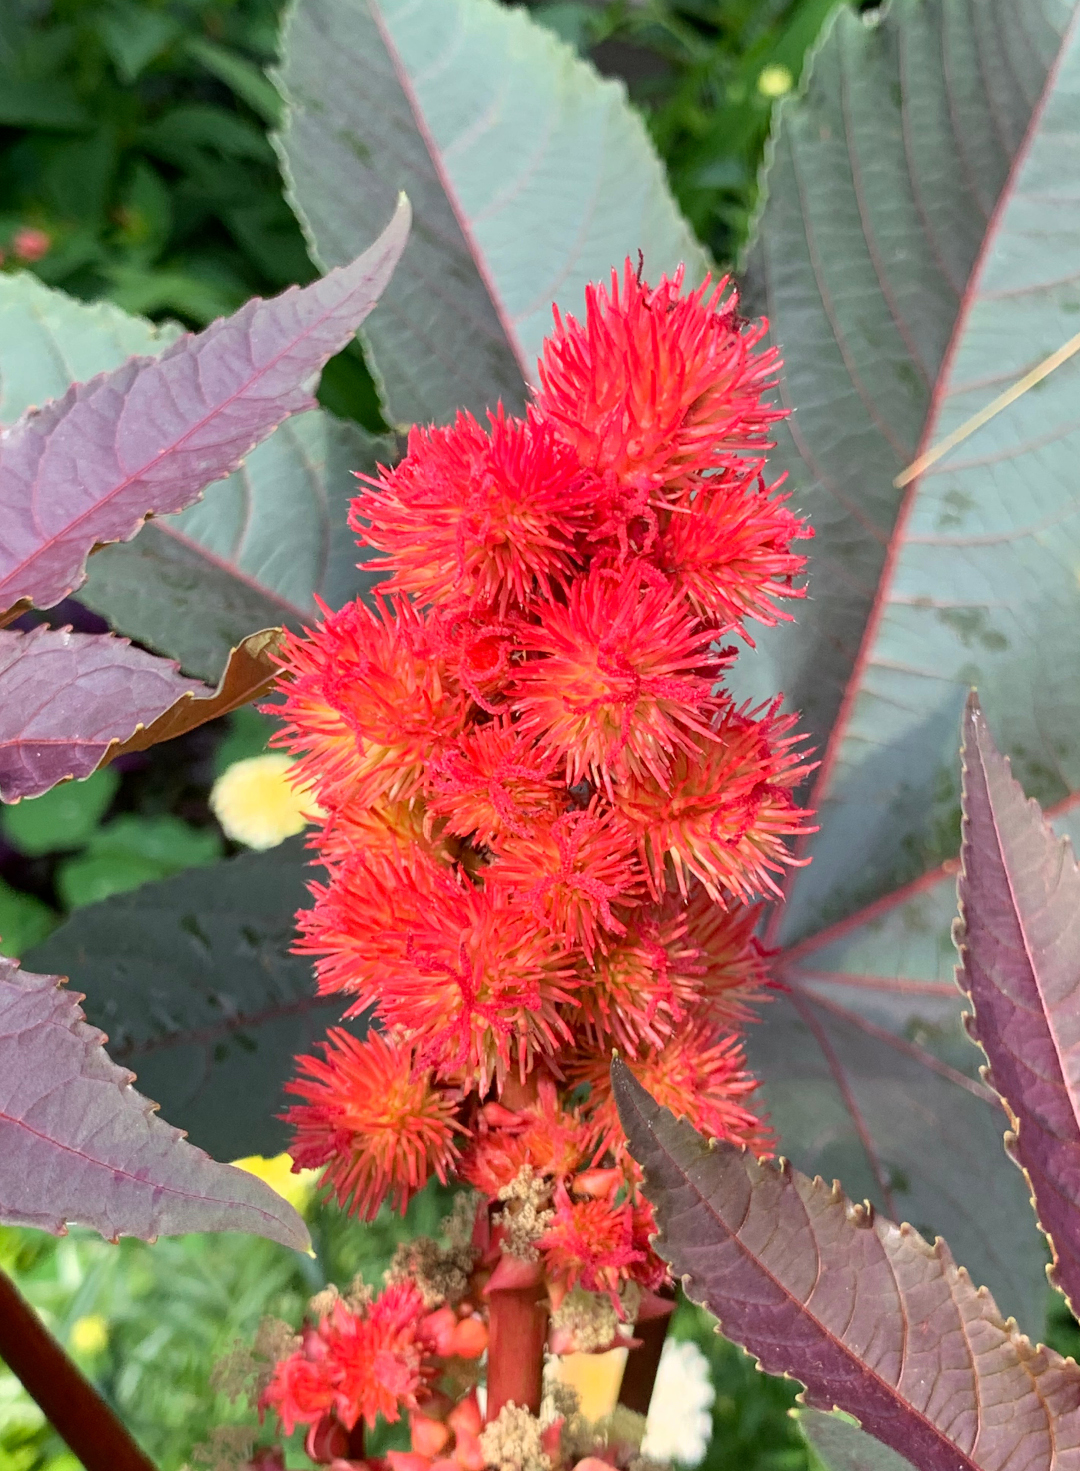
[546, 824]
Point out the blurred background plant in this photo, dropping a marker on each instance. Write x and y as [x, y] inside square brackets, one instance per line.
[135, 165]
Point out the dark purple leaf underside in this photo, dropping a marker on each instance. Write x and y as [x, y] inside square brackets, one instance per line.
[78, 1144]
[147, 438]
[1019, 942]
[868, 1316]
[65, 697]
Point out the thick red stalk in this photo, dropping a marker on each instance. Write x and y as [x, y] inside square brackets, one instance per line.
[517, 1333]
[68, 1400]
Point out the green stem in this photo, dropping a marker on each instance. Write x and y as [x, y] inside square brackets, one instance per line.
[65, 1396]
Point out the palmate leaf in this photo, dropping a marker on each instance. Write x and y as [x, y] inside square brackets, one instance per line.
[149, 436]
[78, 1144]
[71, 702]
[252, 552]
[917, 250]
[194, 981]
[867, 1315]
[1018, 939]
[530, 176]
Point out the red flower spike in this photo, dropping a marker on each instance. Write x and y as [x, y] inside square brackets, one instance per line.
[656, 386]
[726, 547]
[476, 518]
[724, 813]
[570, 871]
[359, 1364]
[367, 703]
[375, 1122]
[624, 679]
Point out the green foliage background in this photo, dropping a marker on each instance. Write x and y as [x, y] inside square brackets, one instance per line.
[134, 133]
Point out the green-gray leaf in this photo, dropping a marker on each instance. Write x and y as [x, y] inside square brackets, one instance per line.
[195, 984]
[906, 1130]
[838, 1445]
[528, 174]
[259, 545]
[919, 249]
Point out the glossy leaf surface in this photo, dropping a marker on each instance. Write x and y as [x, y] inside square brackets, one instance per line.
[146, 438]
[78, 1144]
[1019, 940]
[530, 176]
[71, 701]
[194, 980]
[867, 1315]
[252, 551]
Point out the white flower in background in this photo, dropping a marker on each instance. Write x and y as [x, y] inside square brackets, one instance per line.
[679, 1426]
[257, 803]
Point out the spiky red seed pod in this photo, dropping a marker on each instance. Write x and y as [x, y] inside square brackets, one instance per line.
[551, 1138]
[620, 679]
[570, 870]
[475, 517]
[725, 812]
[378, 1125]
[699, 1074]
[367, 702]
[472, 978]
[491, 781]
[726, 545]
[657, 385]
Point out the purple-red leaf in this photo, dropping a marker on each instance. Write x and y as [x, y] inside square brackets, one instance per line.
[70, 701]
[148, 437]
[1019, 943]
[78, 1144]
[866, 1314]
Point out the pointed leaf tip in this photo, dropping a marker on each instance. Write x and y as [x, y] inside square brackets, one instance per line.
[1019, 938]
[79, 1144]
[867, 1315]
[165, 427]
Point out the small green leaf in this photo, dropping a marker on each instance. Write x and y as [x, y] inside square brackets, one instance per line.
[134, 35]
[130, 851]
[242, 76]
[24, 921]
[62, 818]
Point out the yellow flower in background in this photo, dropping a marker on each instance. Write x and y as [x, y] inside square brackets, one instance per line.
[89, 1335]
[775, 81]
[257, 804]
[277, 1172]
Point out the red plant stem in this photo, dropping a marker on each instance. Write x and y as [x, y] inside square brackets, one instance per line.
[65, 1396]
[642, 1362]
[517, 1333]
